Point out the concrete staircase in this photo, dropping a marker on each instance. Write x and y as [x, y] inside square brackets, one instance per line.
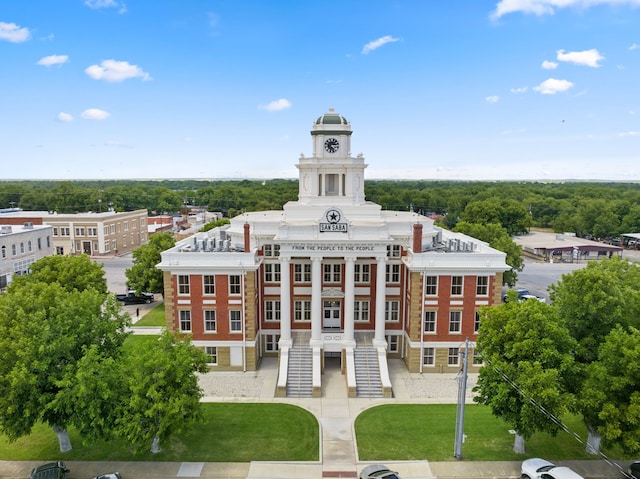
[368, 384]
[300, 370]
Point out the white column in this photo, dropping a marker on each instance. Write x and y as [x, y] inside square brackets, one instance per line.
[349, 298]
[316, 299]
[285, 302]
[381, 287]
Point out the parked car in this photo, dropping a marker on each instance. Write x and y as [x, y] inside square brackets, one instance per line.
[109, 475]
[133, 298]
[51, 470]
[378, 471]
[634, 469]
[523, 295]
[538, 468]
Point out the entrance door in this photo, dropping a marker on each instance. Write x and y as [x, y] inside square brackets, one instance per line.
[331, 315]
[86, 247]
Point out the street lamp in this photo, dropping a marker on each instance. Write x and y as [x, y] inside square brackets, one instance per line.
[462, 394]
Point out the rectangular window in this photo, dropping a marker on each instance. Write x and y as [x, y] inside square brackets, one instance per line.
[272, 272]
[393, 251]
[234, 284]
[332, 272]
[79, 231]
[453, 358]
[210, 321]
[183, 284]
[271, 342]
[361, 311]
[272, 250]
[65, 231]
[272, 310]
[331, 185]
[302, 273]
[92, 231]
[393, 273]
[455, 321]
[209, 284]
[428, 357]
[429, 321]
[477, 358]
[456, 285]
[55, 231]
[302, 310]
[126, 226]
[235, 321]
[392, 311]
[361, 273]
[476, 322]
[392, 343]
[212, 354]
[482, 285]
[185, 320]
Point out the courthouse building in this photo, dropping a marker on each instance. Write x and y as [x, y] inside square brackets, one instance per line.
[331, 275]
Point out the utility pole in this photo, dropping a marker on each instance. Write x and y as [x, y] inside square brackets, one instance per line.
[462, 394]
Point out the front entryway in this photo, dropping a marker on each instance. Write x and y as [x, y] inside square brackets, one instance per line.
[331, 315]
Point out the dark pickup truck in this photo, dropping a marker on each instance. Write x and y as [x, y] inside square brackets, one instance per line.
[133, 298]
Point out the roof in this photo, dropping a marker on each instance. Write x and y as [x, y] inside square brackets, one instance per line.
[539, 241]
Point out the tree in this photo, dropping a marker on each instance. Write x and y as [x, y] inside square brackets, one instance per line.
[498, 238]
[615, 410]
[163, 394]
[509, 213]
[592, 302]
[45, 331]
[143, 274]
[528, 355]
[71, 272]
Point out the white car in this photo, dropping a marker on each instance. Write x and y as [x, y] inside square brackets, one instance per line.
[537, 468]
[378, 471]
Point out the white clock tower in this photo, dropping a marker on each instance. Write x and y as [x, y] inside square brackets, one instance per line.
[331, 175]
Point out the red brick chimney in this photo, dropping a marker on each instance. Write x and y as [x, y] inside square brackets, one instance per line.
[247, 238]
[417, 238]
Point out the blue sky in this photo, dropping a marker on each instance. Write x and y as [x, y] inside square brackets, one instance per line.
[449, 89]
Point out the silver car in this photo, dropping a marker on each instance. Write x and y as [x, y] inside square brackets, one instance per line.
[378, 471]
[537, 468]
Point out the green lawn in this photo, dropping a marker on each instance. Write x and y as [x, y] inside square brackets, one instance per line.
[230, 432]
[418, 432]
[155, 317]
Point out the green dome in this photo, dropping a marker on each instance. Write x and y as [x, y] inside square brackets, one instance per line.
[331, 118]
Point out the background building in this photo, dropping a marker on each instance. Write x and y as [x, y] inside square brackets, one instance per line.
[20, 246]
[331, 275]
[95, 234]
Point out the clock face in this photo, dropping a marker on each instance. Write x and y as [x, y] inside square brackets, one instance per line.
[331, 145]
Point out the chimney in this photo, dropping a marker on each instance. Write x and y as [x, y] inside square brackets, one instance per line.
[417, 238]
[247, 238]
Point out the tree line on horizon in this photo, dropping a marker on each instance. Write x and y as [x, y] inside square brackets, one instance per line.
[596, 209]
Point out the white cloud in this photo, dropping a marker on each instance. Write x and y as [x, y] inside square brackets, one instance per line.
[629, 133]
[277, 105]
[492, 99]
[547, 65]
[98, 4]
[552, 86]
[13, 33]
[522, 89]
[115, 71]
[95, 114]
[375, 44]
[53, 60]
[117, 144]
[66, 117]
[549, 7]
[634, 46]
[588, 58]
